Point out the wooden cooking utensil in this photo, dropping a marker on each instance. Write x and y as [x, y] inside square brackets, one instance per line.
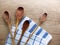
[7, 20]
[24, 28]
[19, 15]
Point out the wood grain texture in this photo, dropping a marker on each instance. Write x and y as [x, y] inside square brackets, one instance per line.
[33, 9]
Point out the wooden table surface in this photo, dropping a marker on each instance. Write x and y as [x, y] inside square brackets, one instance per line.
[33, 9]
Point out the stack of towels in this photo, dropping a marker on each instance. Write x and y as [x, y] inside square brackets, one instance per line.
[40, 36]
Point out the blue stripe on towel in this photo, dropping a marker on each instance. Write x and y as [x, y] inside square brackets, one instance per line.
[39, 31]
[44, 36]
[34, 26]
[34, 40]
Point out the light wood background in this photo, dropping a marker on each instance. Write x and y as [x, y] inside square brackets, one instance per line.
[33, 9]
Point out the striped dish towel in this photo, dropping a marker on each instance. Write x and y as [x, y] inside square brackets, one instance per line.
[40, 36]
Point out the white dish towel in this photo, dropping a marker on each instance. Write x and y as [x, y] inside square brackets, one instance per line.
[40, 37]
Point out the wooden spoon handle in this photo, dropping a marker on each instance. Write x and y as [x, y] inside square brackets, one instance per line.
[16, 29]
[9, 26]
[20, 38]
[13, 42]
[30, 35]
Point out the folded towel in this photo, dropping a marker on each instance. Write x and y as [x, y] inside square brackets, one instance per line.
[40, 36]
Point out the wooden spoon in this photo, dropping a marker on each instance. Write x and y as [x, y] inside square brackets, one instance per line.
[24, 28]
[7, 20]
[19, 15]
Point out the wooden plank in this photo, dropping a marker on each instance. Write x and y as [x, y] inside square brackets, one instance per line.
[33, 9]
